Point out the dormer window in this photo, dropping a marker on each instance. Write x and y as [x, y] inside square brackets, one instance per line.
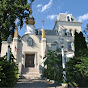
[72, 19]
[68, 18]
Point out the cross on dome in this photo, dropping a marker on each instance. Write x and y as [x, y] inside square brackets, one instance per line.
[43, 22]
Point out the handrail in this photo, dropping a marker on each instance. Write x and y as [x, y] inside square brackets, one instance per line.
[66, 77]
[59, 70]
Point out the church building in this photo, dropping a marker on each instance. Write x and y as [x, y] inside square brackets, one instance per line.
[29, 50]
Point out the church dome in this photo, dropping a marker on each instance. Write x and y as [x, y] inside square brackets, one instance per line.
[30, 28]
[30, 19]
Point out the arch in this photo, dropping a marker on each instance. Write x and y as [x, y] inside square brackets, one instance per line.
[65, 32]
[70, 32]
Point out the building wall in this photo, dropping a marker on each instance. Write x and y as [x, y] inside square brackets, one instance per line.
[74, 26]
[52, 42]
[4, 48]
[34, 49]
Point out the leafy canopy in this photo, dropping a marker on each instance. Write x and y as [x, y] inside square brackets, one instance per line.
[9, 11]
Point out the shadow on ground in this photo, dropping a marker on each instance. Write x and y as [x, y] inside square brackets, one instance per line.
[34, 83]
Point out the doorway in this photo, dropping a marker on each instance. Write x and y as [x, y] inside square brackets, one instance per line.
[29, 60]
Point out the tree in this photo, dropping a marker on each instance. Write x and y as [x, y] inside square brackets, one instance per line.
[87, 27]
[9, 11]
[51, 61]
[80, 44]
[8, 71]
[77, 68]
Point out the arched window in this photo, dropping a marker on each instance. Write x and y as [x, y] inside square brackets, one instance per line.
[65, 32]
[70, 32]
[69, 46]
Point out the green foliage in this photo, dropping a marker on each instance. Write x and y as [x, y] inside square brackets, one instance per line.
[9, 11]
[8, 71]
[51, 61]
[80, 44]
[87, 27]
[77, 68]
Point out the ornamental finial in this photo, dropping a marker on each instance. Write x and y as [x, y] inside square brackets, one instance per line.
[43, 31]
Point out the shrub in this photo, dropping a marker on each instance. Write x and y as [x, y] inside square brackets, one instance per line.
[52, 60]
[8, 71]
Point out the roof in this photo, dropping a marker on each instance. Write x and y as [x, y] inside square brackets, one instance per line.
[63, 17]
[51, 32]
[47, 32]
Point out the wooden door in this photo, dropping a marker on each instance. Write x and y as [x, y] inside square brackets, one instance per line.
[29, 60]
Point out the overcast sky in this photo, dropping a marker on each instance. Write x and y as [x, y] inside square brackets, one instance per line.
[48, 10]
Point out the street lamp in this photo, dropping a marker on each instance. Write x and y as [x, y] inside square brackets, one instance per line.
[63, 60]
[9, 41]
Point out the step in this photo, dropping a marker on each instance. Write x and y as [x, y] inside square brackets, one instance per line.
[30, 69]
[31, 76]
[30, 73]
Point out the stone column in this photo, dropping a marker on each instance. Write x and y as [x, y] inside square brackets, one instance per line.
[43, 45]
[63, 65]
[15, 48]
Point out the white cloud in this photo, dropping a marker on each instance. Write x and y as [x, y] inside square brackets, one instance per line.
[83, 17]
[39, 5]
[46, 6]
[52, 17]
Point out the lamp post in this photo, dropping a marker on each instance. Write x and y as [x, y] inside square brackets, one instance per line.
[9, 41]
[63, 60]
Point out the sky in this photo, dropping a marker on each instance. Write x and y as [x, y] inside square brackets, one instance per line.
[48, 10]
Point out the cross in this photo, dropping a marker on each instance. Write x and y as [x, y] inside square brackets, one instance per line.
[43, 22]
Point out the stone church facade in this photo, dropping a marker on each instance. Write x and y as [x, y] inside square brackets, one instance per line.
[29, 50]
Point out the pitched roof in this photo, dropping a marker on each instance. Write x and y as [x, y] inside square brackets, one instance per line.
[63, 17]
[47, 32]
[51, 32]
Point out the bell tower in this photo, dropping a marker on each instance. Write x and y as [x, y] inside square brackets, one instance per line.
[30, 28]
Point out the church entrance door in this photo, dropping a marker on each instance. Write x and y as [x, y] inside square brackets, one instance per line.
[29, 60]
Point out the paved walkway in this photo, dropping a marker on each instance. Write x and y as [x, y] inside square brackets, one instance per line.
[35, 83]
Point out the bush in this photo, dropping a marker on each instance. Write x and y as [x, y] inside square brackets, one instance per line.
[52, 60]
[8, 71]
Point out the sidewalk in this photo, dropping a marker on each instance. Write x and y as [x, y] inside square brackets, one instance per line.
[35, 83]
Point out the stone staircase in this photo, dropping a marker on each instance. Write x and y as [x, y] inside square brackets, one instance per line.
[30, 73]
[31, 79]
